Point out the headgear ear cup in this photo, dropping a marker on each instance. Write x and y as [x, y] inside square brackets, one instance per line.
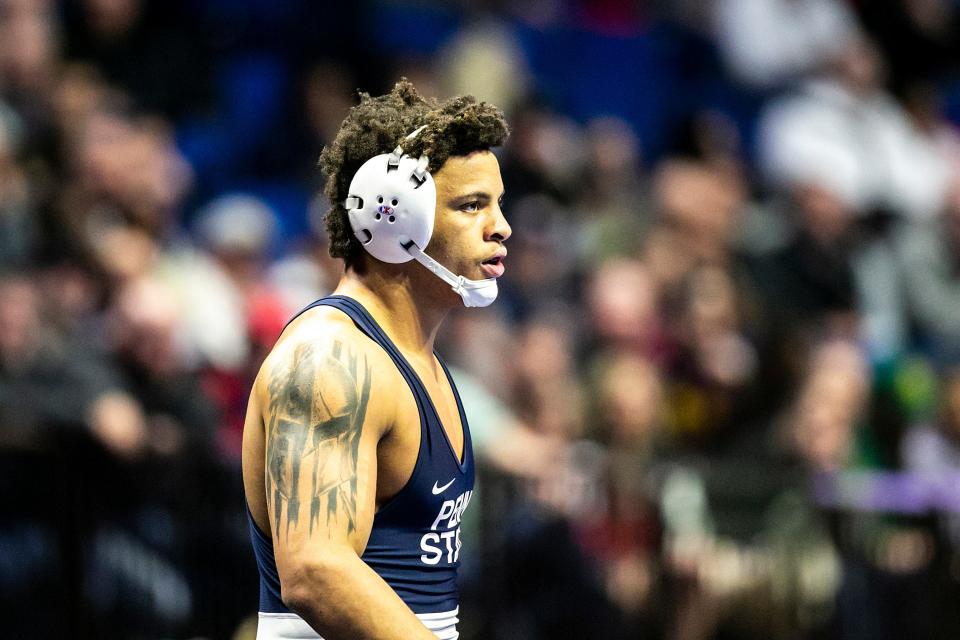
[392, 205]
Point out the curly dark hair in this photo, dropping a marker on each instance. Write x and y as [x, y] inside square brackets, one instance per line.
[454, 127]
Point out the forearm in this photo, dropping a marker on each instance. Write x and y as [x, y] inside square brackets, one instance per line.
[342, 598]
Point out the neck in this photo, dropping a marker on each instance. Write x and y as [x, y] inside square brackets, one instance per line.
[403, 304]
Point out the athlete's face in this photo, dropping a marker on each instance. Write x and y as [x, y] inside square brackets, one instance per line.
[469, 229]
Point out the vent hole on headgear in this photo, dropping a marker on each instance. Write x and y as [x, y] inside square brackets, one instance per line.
[391, 219]
[368, 234]
[394, 202]
[380, 199]
[377, 215]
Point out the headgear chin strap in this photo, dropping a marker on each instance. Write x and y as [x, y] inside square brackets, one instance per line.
[475, 293]
[391, 207]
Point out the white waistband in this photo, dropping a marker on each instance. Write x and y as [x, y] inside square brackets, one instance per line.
[290, 626]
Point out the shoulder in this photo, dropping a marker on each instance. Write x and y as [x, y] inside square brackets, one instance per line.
[323, 356]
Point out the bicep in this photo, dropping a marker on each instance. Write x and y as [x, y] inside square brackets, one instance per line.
[320, 460]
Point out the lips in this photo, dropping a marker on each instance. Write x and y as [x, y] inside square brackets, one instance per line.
[494, 267]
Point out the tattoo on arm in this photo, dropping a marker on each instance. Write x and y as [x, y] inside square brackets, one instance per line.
[316, 407]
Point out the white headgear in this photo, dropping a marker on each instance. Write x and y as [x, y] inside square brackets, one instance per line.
[392, 205]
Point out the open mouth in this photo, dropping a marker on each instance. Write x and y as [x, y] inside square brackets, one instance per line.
[493, 267]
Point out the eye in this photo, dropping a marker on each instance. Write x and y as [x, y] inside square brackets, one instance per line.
[470, 207]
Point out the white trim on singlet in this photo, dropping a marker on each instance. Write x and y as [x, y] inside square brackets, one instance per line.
[290, 626]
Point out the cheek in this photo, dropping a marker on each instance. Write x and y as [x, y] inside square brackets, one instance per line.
[446, 238]
[438, 242]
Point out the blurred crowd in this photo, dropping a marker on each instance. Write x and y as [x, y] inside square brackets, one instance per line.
[719, 396]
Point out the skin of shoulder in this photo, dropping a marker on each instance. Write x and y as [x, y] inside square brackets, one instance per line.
[318, 332]
[324, 404]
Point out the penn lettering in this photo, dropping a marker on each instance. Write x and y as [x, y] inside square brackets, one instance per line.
[447, 543]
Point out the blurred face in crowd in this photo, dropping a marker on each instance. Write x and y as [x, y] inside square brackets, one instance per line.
[536, 217]
[80, 93]
[623, 300]
[830, 403]
[667, 259]
[112, 18]
[134, 164]
[699, 199]
[823, 437]
[860, 66]
[19, 317]
[145, 316]
[823, 215]
[28, 44]
[631, 399]
[544, 351]
[546, 380]
[613, 151]
[711, 305]
[951, 216]
[547, 144]
[712, 327]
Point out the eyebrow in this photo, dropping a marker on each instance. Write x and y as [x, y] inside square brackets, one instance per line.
[476, 195]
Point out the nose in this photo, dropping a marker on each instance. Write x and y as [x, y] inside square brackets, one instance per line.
[499, 229]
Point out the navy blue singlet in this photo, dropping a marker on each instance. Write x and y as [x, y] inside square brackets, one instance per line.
[415, 541]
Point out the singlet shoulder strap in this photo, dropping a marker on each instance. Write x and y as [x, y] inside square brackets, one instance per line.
[365, 322]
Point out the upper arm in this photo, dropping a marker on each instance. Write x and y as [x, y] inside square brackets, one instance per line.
[321, 436]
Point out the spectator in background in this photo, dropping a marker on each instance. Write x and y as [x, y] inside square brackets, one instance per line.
[182, 507]
[699, 202]
[831, 402]
[930, 262]
[623, 299]
[622, 533]
[307, 272]
[49, 384]
[29, 48]
[142, 325]
[612, 211]
[139, 48]
[713, 377]
[126, 168]
[240, 232]
[767, 43]
[886, 560]
[806, 287]
[544, 155]
[844, 132]
[547, 392]
[327, 93]
[484, 59]
[543, 268]
[18, 228]
[845, 135]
